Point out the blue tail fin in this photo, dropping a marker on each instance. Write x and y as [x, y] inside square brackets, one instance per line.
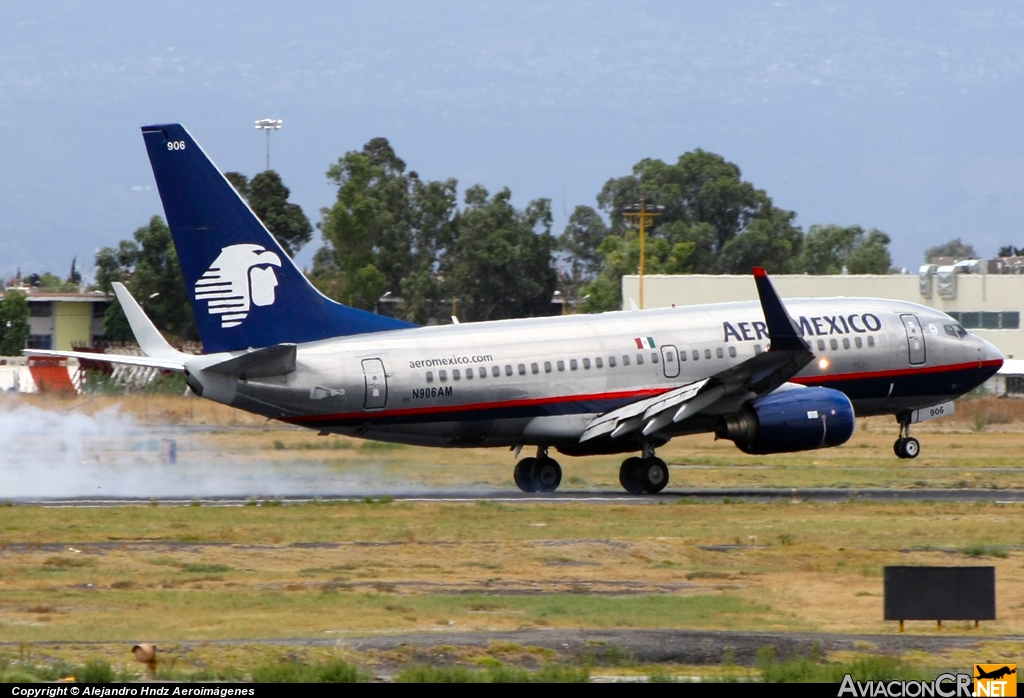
[246, 292]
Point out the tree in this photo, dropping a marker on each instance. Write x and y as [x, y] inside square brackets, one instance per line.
[954, 248]
[829, 248]
[1011, 251]
[712, 222]
[14, 323]
[148, 266]
[385, 233]
[268, 197]
[500, 264]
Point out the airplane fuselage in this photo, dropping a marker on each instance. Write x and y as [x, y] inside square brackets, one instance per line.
[540, 381]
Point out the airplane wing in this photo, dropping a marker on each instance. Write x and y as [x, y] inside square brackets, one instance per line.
[159, 354]
[758, 375]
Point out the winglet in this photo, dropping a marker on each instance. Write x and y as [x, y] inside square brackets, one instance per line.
[781, 329]
[146, 334]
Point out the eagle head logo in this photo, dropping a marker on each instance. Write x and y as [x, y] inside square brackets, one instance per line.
[242, 276]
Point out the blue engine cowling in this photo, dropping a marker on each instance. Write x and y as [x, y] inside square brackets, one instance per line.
[800, 419]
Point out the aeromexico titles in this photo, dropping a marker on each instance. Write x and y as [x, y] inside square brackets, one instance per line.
[771, 377]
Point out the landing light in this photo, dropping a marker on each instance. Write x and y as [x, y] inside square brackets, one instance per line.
[823, 363]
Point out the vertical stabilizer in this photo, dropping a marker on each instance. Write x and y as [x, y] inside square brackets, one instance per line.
[245, 291]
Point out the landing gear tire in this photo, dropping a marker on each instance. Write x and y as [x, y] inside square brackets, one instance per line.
[907, 447]
[538, 474]
[523, 474]
[629, 475]
[652, 475]
[547, 475]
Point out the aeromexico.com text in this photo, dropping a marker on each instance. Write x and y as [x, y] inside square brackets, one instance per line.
[451, 361]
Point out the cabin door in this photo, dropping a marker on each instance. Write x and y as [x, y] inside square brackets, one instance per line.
[670, 360]
[915, 338]
[376, 384]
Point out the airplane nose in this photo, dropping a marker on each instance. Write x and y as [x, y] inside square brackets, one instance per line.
[989, 351]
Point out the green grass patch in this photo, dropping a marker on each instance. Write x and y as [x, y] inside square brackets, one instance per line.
[292, 671]
[985, 550]
[499, 673]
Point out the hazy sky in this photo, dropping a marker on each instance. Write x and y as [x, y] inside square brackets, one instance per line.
[905, 116]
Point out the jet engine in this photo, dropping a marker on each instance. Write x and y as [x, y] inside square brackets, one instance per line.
[800, 419]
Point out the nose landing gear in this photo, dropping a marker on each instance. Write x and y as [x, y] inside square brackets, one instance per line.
[906, 446]
[540, 474]
[647, 475]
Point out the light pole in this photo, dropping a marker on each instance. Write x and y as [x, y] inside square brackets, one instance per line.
[641, 214]
[269, 125]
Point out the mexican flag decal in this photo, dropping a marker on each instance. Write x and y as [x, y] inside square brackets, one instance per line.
[644, 342]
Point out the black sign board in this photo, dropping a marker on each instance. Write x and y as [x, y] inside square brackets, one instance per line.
[940, 593]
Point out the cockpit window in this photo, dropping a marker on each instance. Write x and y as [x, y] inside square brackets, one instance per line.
[955, 331]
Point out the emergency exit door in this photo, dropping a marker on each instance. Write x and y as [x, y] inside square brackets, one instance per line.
[376, 384]
[915, 338]
[670, 360]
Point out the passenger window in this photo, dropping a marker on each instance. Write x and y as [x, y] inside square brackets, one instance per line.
[547, 367]
[625, 360]
[871, 340]
[483, 372]
[883, 341]
[599, 362]
[833, 343]
[611, 362]
[561, 365]
[522, 369]
[469, 374]
[456, 374]
[573, 365]
[430, 376]
[495, 371]
[846, 342]
[707, 353]
[639, 359]
[732, 352]
[719, 353]
[821, 345]
[859, 342]
[442, 375]
[508, 369]
[757, 349]
[696, 355]
[586, 363]
[654, 357]
[682, 355]
[670, 357]
[535, 368]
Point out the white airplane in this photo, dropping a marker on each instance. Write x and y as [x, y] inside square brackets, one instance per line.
[771, 377]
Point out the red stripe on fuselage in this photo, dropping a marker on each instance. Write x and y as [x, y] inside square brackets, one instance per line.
[649, 392]
[893, 373]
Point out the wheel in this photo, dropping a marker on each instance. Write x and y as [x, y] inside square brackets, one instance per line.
[653, 475]
[525, 475]
[547, 475]
[911, 447]
[629, 475]
[897, 448]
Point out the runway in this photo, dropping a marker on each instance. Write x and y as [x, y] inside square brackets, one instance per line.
[734, 495]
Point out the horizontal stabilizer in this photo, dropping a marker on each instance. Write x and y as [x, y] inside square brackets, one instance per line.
[168, 364]
[277, 360]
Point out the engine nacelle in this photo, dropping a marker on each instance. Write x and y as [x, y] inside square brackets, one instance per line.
[801, 419]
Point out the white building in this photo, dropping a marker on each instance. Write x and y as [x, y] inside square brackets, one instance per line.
[988, 304]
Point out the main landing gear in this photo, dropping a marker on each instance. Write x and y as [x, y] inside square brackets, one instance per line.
[906, 446]
[540, 474]
[646, 475]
